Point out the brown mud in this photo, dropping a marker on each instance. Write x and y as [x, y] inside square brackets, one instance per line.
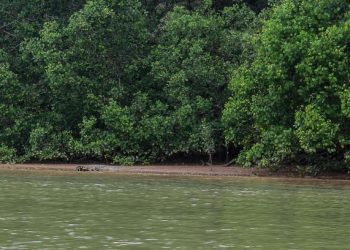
[174, 170]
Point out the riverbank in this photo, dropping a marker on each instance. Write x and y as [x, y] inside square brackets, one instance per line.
[176, 170]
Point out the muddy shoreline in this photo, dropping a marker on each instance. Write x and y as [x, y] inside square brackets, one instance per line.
[173, 170]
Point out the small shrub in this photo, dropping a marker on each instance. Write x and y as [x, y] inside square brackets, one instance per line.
[7, 154]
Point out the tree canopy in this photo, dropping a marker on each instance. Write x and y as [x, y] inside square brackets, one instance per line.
[290, 101]
[142, 81]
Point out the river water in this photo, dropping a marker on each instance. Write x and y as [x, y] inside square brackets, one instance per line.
[97, 211]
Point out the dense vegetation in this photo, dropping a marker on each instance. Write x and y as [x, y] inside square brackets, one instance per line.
[138, 81]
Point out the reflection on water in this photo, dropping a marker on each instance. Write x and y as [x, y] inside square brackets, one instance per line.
[118, 212]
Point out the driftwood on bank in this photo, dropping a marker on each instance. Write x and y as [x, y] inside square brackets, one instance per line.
[230, 163]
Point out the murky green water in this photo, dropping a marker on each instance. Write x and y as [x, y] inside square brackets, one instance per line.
[39, 211]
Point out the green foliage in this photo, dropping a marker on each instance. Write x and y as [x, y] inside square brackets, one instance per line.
[7, 155]
[47, 144]
[125, 160]
[273, 148]
[314, 131]
[131, 81]
[90, 59]
[297, 83]
[191, 65]
[13, 109]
